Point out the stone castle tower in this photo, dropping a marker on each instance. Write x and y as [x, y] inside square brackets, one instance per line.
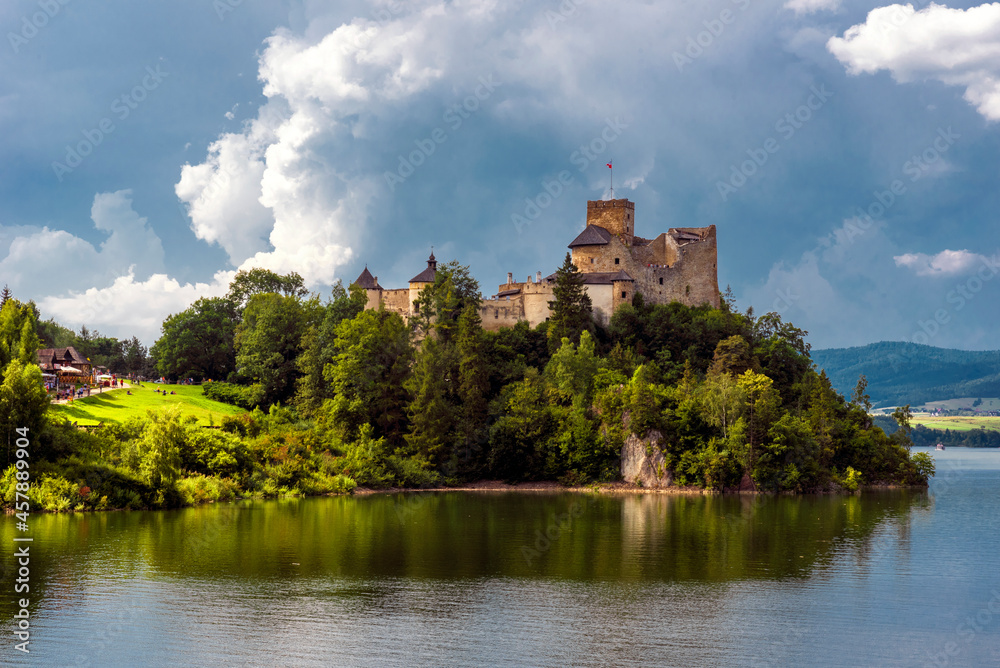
[678, 265]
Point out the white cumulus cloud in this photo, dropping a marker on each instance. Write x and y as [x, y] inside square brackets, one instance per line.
[43, 261]
[946, 263]
[959, 47]
[129, 307]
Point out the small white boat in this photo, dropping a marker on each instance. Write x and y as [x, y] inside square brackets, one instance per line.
[939, 446]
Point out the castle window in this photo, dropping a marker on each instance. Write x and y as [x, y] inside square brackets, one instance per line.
[591, 260]
[616, 260]
[496, 315]
[624, 295]
[661, 280]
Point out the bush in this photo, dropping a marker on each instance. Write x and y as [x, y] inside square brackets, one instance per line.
[851, 480]
[244, 396]
[320, 483]
[215, 453]
[924, 464]
[201, 489]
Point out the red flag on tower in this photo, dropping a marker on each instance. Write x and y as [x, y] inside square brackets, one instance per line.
[609, 165]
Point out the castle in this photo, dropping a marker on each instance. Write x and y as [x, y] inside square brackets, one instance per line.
[678, 265]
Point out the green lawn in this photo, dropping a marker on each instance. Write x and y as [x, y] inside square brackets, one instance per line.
[958, 422]
[117, 406]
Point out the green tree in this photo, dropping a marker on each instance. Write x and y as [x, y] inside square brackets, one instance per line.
[161, 445]
[761, 410]
[901, 436]
[572, 311]
[23, 403]
[732, 355]
[28, 343]
[571, 370]
[248, 283]
[722, 399]
[54, 335]
[268, 342]
[18, 338]
[521, 438]
[433, 412]
[135, 357]
[439, 305]
[367, 376]
[318, 346]
[473, 392]
[197, 342]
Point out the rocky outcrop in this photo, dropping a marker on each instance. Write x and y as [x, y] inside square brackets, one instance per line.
[643, 462]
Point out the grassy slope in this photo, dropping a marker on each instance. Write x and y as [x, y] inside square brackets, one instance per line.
[117, 406]
[958, 423]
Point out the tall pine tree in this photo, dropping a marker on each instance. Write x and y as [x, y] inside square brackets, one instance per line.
[572, 310]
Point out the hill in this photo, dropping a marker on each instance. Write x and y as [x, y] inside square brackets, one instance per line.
[908, 373]
[118, 406]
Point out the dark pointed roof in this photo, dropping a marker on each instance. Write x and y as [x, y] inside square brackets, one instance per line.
[366, 280]
[594, 235]
[427, 275]
[52, 358]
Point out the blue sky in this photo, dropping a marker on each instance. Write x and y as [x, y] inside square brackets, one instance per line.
[847, 151]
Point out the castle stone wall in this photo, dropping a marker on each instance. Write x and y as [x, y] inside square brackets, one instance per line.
[397, 301]
[503, 312]
[602, 299]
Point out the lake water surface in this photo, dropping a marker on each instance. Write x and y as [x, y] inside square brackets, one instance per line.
[476, 579]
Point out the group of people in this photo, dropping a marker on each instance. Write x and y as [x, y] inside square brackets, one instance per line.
[68, 392]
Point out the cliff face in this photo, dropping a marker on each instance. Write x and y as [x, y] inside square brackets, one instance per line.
[643, 462]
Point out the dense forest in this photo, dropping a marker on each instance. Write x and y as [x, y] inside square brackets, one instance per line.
[340, 396]
[907, 373]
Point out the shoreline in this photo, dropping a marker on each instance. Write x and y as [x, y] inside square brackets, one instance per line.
[618, 488]
[498, 487]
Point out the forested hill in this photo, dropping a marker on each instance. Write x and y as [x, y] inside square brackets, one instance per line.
[907, 373]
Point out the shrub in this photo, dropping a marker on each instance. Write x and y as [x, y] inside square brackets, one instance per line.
[244, 396]
[851, 480]
[201, 489]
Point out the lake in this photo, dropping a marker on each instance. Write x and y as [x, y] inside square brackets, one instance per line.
[894, 578]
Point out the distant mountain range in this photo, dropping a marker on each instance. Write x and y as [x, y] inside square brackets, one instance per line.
[906, 373]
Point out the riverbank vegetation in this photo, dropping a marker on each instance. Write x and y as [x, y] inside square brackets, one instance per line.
[339, 396]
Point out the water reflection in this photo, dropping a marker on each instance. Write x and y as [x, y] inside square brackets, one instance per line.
[469, 536]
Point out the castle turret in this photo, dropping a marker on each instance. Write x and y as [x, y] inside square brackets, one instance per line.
[369, 283]
[617, 216]
[423, 279]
